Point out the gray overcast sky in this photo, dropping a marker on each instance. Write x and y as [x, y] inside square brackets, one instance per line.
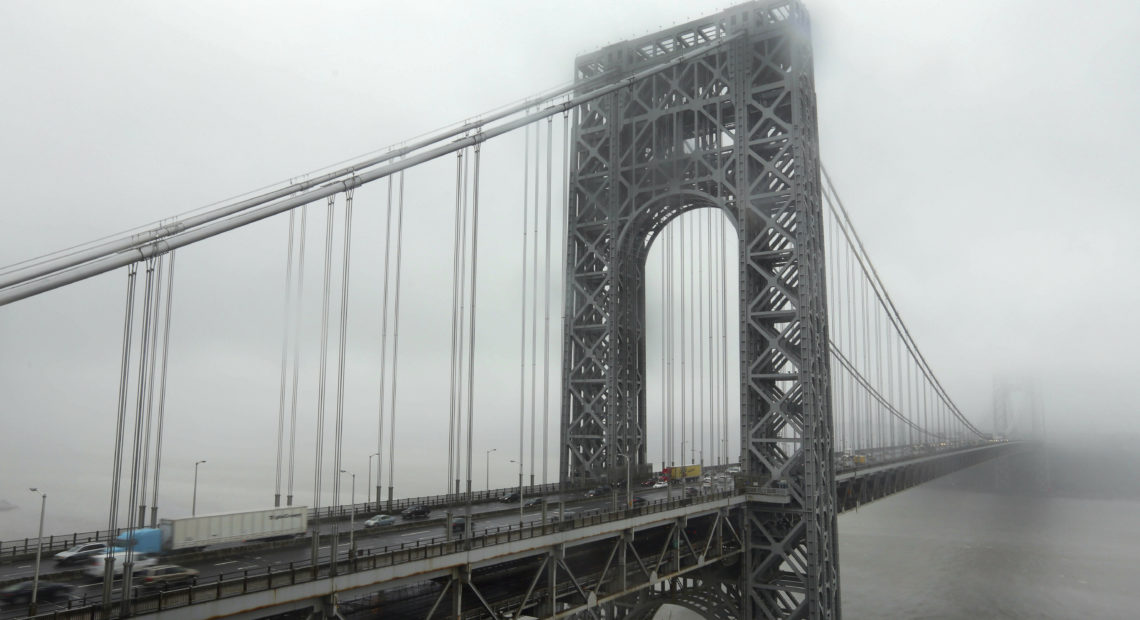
[985, 150]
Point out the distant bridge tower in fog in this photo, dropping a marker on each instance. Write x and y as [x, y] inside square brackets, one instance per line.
[1017, 409]
[1018, 416]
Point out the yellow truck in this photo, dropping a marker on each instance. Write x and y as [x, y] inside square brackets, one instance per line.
[686, 472]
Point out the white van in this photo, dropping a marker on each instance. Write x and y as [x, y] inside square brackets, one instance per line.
[95, 567]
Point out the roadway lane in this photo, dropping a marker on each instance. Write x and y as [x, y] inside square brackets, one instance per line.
[88, 590]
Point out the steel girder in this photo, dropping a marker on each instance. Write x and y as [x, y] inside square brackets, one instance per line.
[733, 129]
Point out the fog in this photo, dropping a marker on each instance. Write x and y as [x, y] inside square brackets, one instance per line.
[985, 151]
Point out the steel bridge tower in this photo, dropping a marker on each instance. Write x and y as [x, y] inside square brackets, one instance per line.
[730, 128]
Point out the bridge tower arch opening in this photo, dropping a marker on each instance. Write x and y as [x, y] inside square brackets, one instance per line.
[727, 119]
[691, 314]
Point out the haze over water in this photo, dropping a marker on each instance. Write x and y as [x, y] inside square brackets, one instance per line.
[958, 548]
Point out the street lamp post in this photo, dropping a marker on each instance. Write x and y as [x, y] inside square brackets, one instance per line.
[370, 480]
[39, 547]
[194, 501]
[487, 469]
[351, 519]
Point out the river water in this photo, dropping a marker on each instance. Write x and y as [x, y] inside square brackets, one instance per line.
[937, 552]
[946, 550]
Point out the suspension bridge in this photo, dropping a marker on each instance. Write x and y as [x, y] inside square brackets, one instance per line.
[717, 313]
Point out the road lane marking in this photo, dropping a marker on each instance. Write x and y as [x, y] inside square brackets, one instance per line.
[229, 562]
[416, 533]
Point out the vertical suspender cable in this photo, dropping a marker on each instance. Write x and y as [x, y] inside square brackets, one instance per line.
[454, 321]
[899, 378]
[162, 389]
[463, 326]
[866, 330]
[342, 336]
[713, 294]
[567, 154]
[546, 292]
[395, 344]
[525, 283]
[284, 355]
[670, 314]
[879, 376]
[116, 475]
[724, 340]
[471, 336]
[694, 258]
[136, 445]
[684, 316]
[836, 327]
[699, 333]
[155, 309]
[851, 346]
[887, 345]
[383, 346]
[534, 305]
[565, 240]
[296, 353]
[318, 460]
[664, 345]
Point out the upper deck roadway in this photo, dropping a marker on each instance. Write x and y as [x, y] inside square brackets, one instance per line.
[408, 565]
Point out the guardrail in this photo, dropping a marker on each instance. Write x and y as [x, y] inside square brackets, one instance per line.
[237, 583]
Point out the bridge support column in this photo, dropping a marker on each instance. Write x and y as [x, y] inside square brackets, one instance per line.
[457, 581]
[557, 554]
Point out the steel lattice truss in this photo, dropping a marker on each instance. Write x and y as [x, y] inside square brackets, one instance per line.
[731, 129]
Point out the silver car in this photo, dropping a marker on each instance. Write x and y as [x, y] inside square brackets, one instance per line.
[380, 520]
[79, 553]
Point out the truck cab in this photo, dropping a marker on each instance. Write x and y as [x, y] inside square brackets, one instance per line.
[143, 540]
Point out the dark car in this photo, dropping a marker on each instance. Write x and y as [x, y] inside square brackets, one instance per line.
[638, 502]
[566, 515]
[597, 491]
[509, 497]
[532, 502]
[79, 553]
[459, 524]
[416, 512]
[19, 593]
[164, 574]
[649, 483]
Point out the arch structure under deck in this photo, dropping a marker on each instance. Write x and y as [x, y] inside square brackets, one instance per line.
[733, 128]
